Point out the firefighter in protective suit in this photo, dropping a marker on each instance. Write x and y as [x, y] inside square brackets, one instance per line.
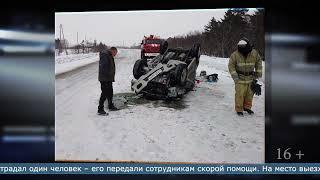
[245, 65]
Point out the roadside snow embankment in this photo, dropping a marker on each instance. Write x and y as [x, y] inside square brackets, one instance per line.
[66, 63]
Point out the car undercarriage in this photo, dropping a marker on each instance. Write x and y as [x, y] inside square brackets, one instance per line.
[168, 75]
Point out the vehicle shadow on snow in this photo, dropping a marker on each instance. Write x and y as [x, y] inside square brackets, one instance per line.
[125, 100]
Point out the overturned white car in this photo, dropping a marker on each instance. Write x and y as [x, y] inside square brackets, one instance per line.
[169, 75]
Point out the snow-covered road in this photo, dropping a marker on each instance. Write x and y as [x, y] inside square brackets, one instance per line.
[202, 127]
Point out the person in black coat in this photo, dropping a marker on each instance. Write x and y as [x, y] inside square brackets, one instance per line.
[107, 71]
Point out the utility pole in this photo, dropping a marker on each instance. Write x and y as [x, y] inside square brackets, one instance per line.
[62, 39]
[77, 43]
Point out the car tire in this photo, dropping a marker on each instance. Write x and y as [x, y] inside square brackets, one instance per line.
[138, 68]
[163, 47]
[196, 51]
[181, 74]
[142, 55]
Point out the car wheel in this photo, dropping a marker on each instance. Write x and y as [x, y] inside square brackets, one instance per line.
[163, 47]
[181, 74]
[138, 70]
[196, 51]
[142, 55]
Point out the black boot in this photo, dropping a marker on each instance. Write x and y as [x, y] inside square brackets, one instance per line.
[249, 111]
[102, 112]
[112, 107]
[240, 113]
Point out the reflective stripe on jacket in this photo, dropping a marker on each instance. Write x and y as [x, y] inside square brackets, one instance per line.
[238, 63]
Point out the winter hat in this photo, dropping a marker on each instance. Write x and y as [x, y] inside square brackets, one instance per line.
[242, 43]
[244, 46]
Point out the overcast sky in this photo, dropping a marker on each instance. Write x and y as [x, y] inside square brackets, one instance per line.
[126, 28]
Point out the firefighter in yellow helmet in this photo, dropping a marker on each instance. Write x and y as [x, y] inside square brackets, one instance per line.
[244, 66]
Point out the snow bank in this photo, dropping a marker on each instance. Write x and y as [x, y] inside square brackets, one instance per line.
[65, 63]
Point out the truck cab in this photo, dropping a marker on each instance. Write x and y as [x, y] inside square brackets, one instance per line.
[150, 47]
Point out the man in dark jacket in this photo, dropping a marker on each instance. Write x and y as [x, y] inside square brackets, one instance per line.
[106, 77]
